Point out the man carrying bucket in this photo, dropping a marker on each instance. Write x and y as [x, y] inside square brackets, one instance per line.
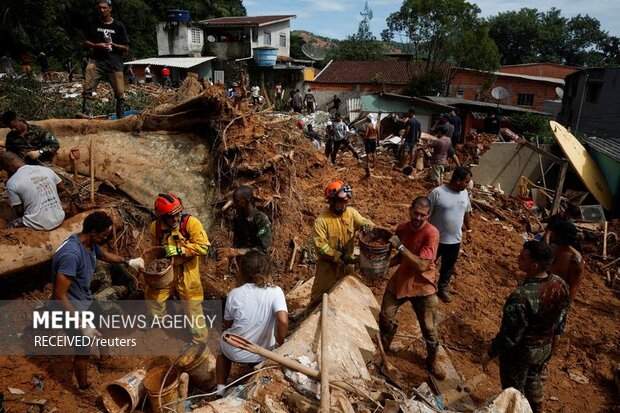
[414, 281]
[334, 236]
[182, 238]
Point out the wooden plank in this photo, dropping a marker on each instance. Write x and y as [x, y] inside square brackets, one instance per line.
[584, 165]
[558, 189]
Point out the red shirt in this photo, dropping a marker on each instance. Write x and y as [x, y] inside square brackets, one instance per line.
[407, 282]
[165, 71]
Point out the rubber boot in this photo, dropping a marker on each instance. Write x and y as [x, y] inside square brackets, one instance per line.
[120, 108]
[432, 364]
[87, 108]
[388, 331]
[537, 407]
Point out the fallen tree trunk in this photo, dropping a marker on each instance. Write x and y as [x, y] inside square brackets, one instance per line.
[24, 249]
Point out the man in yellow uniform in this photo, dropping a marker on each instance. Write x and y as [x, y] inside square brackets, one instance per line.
[334, 232]
[184, 239]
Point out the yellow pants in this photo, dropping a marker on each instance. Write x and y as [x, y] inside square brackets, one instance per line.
[187, 285]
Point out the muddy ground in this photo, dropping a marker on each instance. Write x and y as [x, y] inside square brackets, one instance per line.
[484, 278]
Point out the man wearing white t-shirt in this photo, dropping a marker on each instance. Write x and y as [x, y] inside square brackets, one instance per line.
[256, 311]
[450, 209]
[33, 194]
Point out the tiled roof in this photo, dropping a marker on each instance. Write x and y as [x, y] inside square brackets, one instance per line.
[245, 20]
[607, 146]
[360, 72]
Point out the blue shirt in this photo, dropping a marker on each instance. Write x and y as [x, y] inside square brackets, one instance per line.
[72, 259]
[415, 126]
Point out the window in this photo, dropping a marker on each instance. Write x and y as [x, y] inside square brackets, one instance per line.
[525, 99]
[593, 91]
[460, 93]
[196, 35]
[267, 38]
[282, 40]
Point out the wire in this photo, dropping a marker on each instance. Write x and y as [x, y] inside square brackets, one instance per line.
[225, 387]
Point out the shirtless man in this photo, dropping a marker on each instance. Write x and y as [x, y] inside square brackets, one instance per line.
[567, 262]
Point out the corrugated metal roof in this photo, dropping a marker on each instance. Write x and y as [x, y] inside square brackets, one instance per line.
[554, 80]
[458, 101]
[607, 146]
[245, 20]
[365, 72]
[180, 62]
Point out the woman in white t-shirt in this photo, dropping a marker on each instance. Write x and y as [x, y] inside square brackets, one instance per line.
[256, 311]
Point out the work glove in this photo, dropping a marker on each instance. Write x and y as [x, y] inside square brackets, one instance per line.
[366, 228]
[172, 251]
[136, 263]
[350, 260]
[91, 332]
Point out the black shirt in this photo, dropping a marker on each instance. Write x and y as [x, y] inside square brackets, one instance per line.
[414, 126]
[109, 33]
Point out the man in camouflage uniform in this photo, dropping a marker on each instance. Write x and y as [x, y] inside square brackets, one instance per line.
[533, 314]
[252, 229]
[31, 143]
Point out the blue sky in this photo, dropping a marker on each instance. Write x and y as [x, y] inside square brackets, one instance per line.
[340, 18]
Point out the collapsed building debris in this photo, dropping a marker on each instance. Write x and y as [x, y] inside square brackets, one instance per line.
[201, 147]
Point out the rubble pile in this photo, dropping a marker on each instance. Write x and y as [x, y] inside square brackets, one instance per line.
[473, 146]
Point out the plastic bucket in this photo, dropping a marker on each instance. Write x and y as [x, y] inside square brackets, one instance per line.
[157, 279]
[152, 384]
[124, 394]
[199, 364]
[375, 250]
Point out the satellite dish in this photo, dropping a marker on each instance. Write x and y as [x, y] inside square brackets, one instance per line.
[499, 93]
[211, 38]
[313, 51]
[560, 92]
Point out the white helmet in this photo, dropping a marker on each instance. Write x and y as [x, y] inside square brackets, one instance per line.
[329, 123]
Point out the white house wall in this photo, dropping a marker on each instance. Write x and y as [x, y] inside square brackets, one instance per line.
[276, 29]
[175, 40]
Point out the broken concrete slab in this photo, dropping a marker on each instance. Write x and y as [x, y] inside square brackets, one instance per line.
[352, 323]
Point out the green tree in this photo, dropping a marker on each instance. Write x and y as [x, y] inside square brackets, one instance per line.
[440, 33]
[530, 36]
[363, 45]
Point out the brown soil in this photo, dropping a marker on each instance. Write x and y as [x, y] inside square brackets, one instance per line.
[289, 175]
[158, 266]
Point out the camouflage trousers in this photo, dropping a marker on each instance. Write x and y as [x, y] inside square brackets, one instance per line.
[520, 368]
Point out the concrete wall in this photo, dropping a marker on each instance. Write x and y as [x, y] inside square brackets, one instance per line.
[504, 164]
[471, 83]
[176, 40]
[276, 29]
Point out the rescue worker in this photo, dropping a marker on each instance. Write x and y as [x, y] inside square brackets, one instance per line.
[252, 230]
[533, 314]
[183, 238]
[334, 236]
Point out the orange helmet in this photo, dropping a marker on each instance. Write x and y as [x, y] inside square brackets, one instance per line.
[167, 204]
[339, 189]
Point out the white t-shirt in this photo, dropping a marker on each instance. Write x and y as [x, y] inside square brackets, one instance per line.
[447, 213]
[34, 187]
[255, 91]
[253, 313]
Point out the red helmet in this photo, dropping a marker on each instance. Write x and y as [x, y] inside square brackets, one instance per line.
[167, 204]
[339, 189]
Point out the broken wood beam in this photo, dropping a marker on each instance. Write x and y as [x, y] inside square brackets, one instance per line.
[325, 398]
[485, 206]
[605, 227]
[292, 260]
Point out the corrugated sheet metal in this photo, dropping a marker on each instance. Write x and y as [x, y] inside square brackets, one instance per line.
[180, 62]
[245, 20]
[607, 146]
